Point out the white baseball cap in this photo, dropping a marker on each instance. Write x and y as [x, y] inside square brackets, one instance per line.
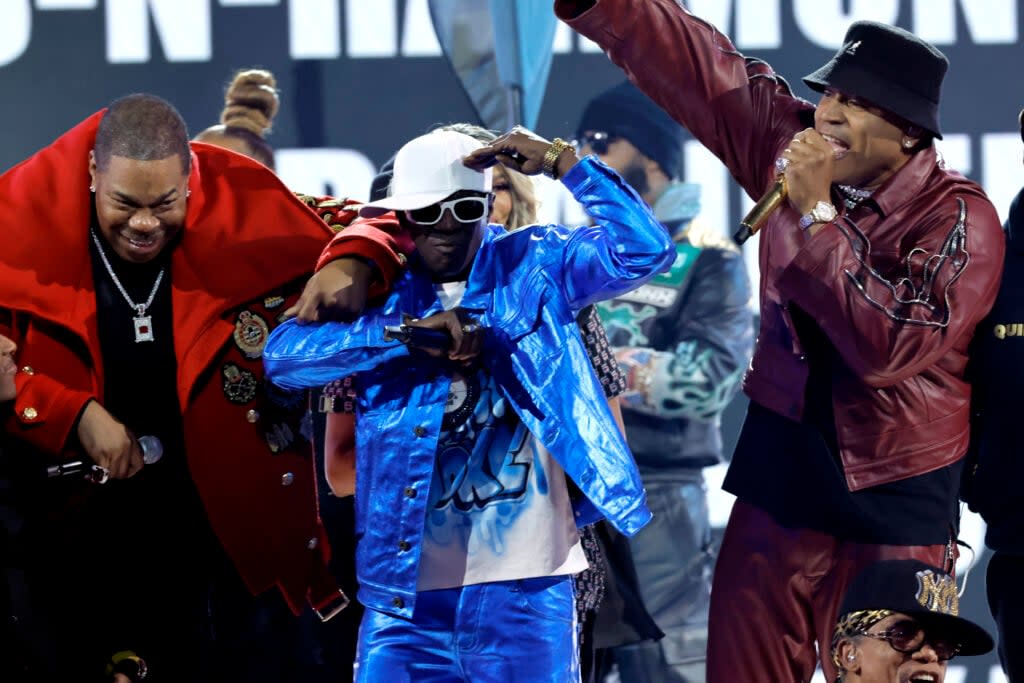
[428, 169]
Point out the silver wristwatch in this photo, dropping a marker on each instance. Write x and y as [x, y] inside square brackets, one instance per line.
[823, 212]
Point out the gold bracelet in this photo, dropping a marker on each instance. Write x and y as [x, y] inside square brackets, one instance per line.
[549, 166]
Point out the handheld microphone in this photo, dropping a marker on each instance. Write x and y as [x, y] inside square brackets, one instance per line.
[759, 214]
[152, 451]
[422, 337]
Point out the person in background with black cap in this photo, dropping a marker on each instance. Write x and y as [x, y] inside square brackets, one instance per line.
[899, 623]
[875, 272]
[992, 483]
[683, 341]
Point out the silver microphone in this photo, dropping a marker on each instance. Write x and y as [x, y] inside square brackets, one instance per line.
[151, 447]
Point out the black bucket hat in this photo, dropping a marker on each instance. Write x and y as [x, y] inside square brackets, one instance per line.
[891, 68]
[917, 590]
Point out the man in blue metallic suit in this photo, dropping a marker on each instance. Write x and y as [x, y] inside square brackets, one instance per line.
[467, 533]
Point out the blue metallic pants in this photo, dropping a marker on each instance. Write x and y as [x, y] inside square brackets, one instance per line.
[503, 632]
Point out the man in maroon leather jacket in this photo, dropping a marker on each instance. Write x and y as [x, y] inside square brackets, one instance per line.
[874, 274]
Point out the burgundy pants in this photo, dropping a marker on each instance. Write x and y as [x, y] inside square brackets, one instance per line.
[776, 591]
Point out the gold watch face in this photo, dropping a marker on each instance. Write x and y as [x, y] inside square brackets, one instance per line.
[823, 212]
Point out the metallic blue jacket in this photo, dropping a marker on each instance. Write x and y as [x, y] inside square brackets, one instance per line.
[525, 288]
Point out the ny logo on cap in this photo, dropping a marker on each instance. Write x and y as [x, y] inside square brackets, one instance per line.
[937, 592]
[851, 49]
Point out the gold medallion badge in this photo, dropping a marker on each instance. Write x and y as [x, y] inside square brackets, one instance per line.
[251, 332]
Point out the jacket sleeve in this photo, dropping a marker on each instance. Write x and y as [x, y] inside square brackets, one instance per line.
[736, 106]
[380, 240]
[624, 248]
[305, 356]
[46, 410]
[714, 340]
[890, 322]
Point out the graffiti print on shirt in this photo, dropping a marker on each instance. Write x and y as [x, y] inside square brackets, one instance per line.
[484, 455]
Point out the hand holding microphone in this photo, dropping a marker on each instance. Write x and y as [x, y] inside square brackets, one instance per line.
[151, 447]
[453, 333]
[765, 206]
[107, 442]
[804, 177]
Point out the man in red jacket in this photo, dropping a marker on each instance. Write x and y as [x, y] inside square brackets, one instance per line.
[874, 274]
[140, 279]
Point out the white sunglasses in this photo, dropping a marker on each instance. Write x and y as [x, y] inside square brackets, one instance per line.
[464, 209]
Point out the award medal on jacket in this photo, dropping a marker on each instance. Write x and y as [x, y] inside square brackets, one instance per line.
[143, 323]
[251, 332]
[239, 384]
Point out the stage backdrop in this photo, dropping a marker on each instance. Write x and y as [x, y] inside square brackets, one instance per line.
[359, 77]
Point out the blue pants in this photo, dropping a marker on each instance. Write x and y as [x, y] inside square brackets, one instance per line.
[503, 632]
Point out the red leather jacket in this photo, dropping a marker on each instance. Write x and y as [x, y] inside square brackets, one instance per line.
[898, 293]
[248, 247]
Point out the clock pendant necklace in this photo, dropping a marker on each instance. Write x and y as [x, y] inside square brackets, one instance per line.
[143, 323]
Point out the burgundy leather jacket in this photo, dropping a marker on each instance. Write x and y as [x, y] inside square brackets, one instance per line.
[898, 291]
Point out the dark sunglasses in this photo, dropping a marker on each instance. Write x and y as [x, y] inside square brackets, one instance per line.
[597, 140]
[909, 636]
[464, 209]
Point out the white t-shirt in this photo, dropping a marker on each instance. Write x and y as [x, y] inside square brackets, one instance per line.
[499, 506]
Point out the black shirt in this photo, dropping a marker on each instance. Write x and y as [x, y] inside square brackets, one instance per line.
[139, 378]
[996, 370]
[792, 470]
[140, 390]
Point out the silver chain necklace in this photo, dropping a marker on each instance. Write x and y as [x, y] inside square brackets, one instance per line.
[853, 196]
[143, 322]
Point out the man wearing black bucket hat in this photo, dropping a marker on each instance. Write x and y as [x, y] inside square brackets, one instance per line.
[900, 623]
[875, 271]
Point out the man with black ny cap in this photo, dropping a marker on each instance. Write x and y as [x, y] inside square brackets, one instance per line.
[900, 623]
[874, 274]
[682, 341]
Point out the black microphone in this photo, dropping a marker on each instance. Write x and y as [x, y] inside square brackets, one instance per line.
[152, 451]
[423, 337]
